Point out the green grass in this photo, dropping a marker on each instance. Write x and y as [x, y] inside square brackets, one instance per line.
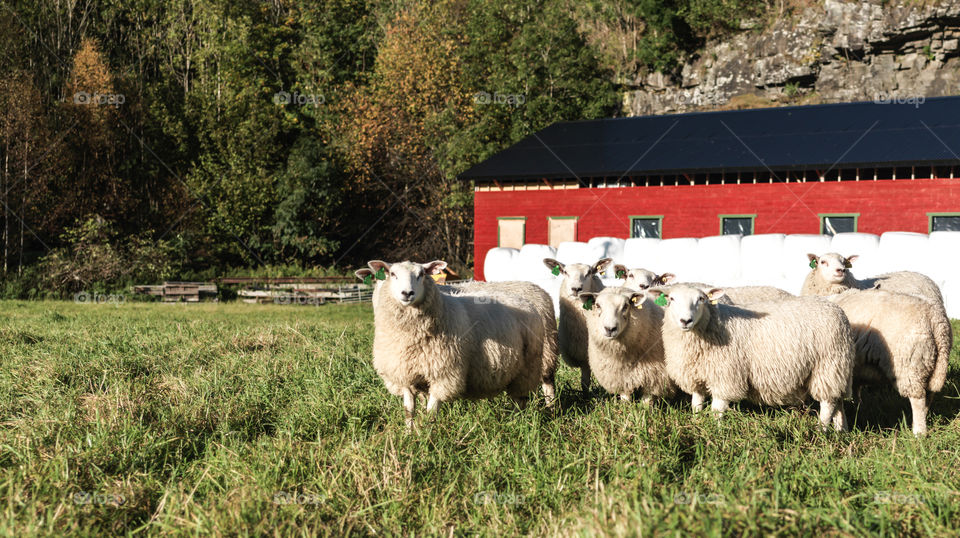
[241, 419]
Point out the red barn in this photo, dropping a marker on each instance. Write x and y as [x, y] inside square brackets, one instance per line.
[852, 167]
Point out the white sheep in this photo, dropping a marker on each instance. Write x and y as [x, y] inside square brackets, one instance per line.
[573, 339]
[900, 339]
[640, 279]
[830, 274]
[775, 353]
[501, 291]
[451, 346]
[626, 348]
[731, 295]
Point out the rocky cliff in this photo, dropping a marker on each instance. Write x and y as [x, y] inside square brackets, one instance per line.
[834, 51]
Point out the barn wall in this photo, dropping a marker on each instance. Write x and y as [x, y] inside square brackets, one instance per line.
[692, 210]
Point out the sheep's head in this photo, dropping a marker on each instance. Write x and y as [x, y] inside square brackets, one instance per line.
[577, 277]
[611, 309]
[831, 267]
[636, 279]
[687, 306]
[406, 279]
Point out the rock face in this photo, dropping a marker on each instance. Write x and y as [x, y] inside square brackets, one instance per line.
[838, 51]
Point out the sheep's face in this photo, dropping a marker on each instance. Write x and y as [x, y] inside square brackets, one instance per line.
[832, 267]
[687, 306]
[640, 279]
[611, 309]
[577, 277]
[406, 279]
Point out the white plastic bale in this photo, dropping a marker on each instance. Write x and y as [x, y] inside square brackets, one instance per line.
[609, 247]
[576, 252]
[794, 262]
[944, 252]
[903, 251]
[760, 260]
[529, 263]
[865, 246]
[677, 256]
[951, 296]
[638, 251]
[499, 264]
[719, 260]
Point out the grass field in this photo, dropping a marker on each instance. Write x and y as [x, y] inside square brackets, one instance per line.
[240, 419]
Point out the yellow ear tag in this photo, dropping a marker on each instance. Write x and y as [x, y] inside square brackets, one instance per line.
[714, 301]
[639, 305]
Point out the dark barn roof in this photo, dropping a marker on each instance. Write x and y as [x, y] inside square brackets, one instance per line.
[815, 137]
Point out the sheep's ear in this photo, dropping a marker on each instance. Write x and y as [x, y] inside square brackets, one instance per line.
[851, 259]
[376, 265]
[363, 273]
[620, 270]
[637, 299]
[601, 265]
[587, 299]
[715, 294]
[435, 267]
[658, 296]
[666, 278]
[555, 267]
[813, 257]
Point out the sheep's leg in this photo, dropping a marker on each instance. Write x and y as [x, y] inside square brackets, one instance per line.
[840, 419]
[433, 406]
[919, 406]
[647, 399]
[585, 378]
[719, 406]
[626, 397]
[697, 401]
[827, 411]
[409, 407]
[549, 393]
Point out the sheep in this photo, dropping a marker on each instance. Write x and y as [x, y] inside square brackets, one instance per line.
[830, 274]
[775, 353]
[638, 278]
[900, 339]
[731, 295]
[625, 346]
[451, 346]
[573, 339]
[504, 291]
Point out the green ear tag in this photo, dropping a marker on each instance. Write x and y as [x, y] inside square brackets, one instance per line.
[588, 304]
[555, 270]
[381, 274]
[621, 274]
[813, 264]
[368, 279]
[847, 264]
[662, 300]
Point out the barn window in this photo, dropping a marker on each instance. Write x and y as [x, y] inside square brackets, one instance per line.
[511, 231]
[561, 229]
[736, 224]
[646, 226]
[944, 222]
[838, 223]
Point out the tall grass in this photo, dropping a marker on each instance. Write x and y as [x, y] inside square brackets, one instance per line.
[249, 419]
